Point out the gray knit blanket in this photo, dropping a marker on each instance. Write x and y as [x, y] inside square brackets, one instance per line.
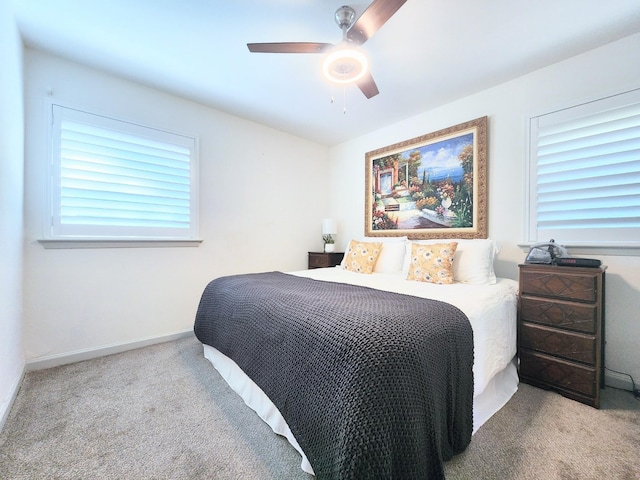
[372, 384]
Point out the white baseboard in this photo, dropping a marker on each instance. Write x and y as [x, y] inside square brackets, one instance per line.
[617, 380]
[5, 408]
[89, 353]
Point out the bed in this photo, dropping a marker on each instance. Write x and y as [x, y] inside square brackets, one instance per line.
[362, 410]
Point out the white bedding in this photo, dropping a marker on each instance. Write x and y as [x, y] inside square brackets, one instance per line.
[491, 310]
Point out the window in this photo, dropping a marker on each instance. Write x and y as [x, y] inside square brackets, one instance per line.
[584, 174]
[115, 180]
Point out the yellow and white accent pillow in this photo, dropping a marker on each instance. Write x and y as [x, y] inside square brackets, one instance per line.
[361, 256]
[432, 263]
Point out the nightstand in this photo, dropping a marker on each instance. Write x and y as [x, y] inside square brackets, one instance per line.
[323, 259]
[561, 330]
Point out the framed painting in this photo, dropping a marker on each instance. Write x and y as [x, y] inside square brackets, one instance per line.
[432, 186]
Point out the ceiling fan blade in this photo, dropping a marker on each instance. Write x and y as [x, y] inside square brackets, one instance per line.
[368, 86]
[289, 47]
[372, 19]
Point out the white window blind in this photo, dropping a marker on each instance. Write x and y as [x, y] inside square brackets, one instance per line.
[584, 173]
[118, 180]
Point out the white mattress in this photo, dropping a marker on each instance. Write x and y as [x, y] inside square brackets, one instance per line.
[491, 310]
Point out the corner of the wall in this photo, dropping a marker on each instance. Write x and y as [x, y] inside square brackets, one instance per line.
[618, 380]
[7, 403]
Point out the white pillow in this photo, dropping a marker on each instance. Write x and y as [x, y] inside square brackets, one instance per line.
[391, 258]
[472, 262]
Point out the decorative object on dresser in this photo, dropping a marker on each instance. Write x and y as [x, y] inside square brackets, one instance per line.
[561, 330]
[329, 229]
[325, 259]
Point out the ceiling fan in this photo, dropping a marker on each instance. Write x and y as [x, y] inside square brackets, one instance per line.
[344, 62]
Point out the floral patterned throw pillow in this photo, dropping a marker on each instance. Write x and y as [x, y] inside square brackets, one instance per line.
[432, 263]
[361, 256]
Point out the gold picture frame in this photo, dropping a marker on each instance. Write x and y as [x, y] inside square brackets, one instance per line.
[432, 186]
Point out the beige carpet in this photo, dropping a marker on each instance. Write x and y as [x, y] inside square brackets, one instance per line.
[542, 435]
[162, 412]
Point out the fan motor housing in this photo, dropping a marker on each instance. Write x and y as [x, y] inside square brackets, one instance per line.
[344, 17]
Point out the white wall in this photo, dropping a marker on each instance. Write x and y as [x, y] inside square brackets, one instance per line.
[11, 223]
[601, 72]
[262, 196]
[262, 199]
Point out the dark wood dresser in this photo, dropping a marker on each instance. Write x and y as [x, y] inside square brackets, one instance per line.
[323, 259]
[561, 330]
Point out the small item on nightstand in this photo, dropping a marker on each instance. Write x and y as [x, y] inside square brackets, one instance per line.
[577, 262]
[329, 245]
[546, 253]
[329, 229]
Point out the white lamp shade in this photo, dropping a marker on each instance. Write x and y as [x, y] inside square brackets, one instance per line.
[329, 226]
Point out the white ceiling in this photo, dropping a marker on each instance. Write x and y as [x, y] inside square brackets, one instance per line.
[429, 53]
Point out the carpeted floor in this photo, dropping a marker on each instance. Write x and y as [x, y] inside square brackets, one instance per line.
[162, 412]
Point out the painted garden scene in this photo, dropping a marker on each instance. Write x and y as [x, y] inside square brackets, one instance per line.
[425, 187]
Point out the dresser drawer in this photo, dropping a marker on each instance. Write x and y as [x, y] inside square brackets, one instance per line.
[573, 346]
[322, 259]
[318, 261]
[580, 317]
[555, 372]
[559, 285]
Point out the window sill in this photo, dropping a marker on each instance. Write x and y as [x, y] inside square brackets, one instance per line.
[108, 243]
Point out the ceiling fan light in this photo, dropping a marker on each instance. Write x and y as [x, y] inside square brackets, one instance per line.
[345, 65]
